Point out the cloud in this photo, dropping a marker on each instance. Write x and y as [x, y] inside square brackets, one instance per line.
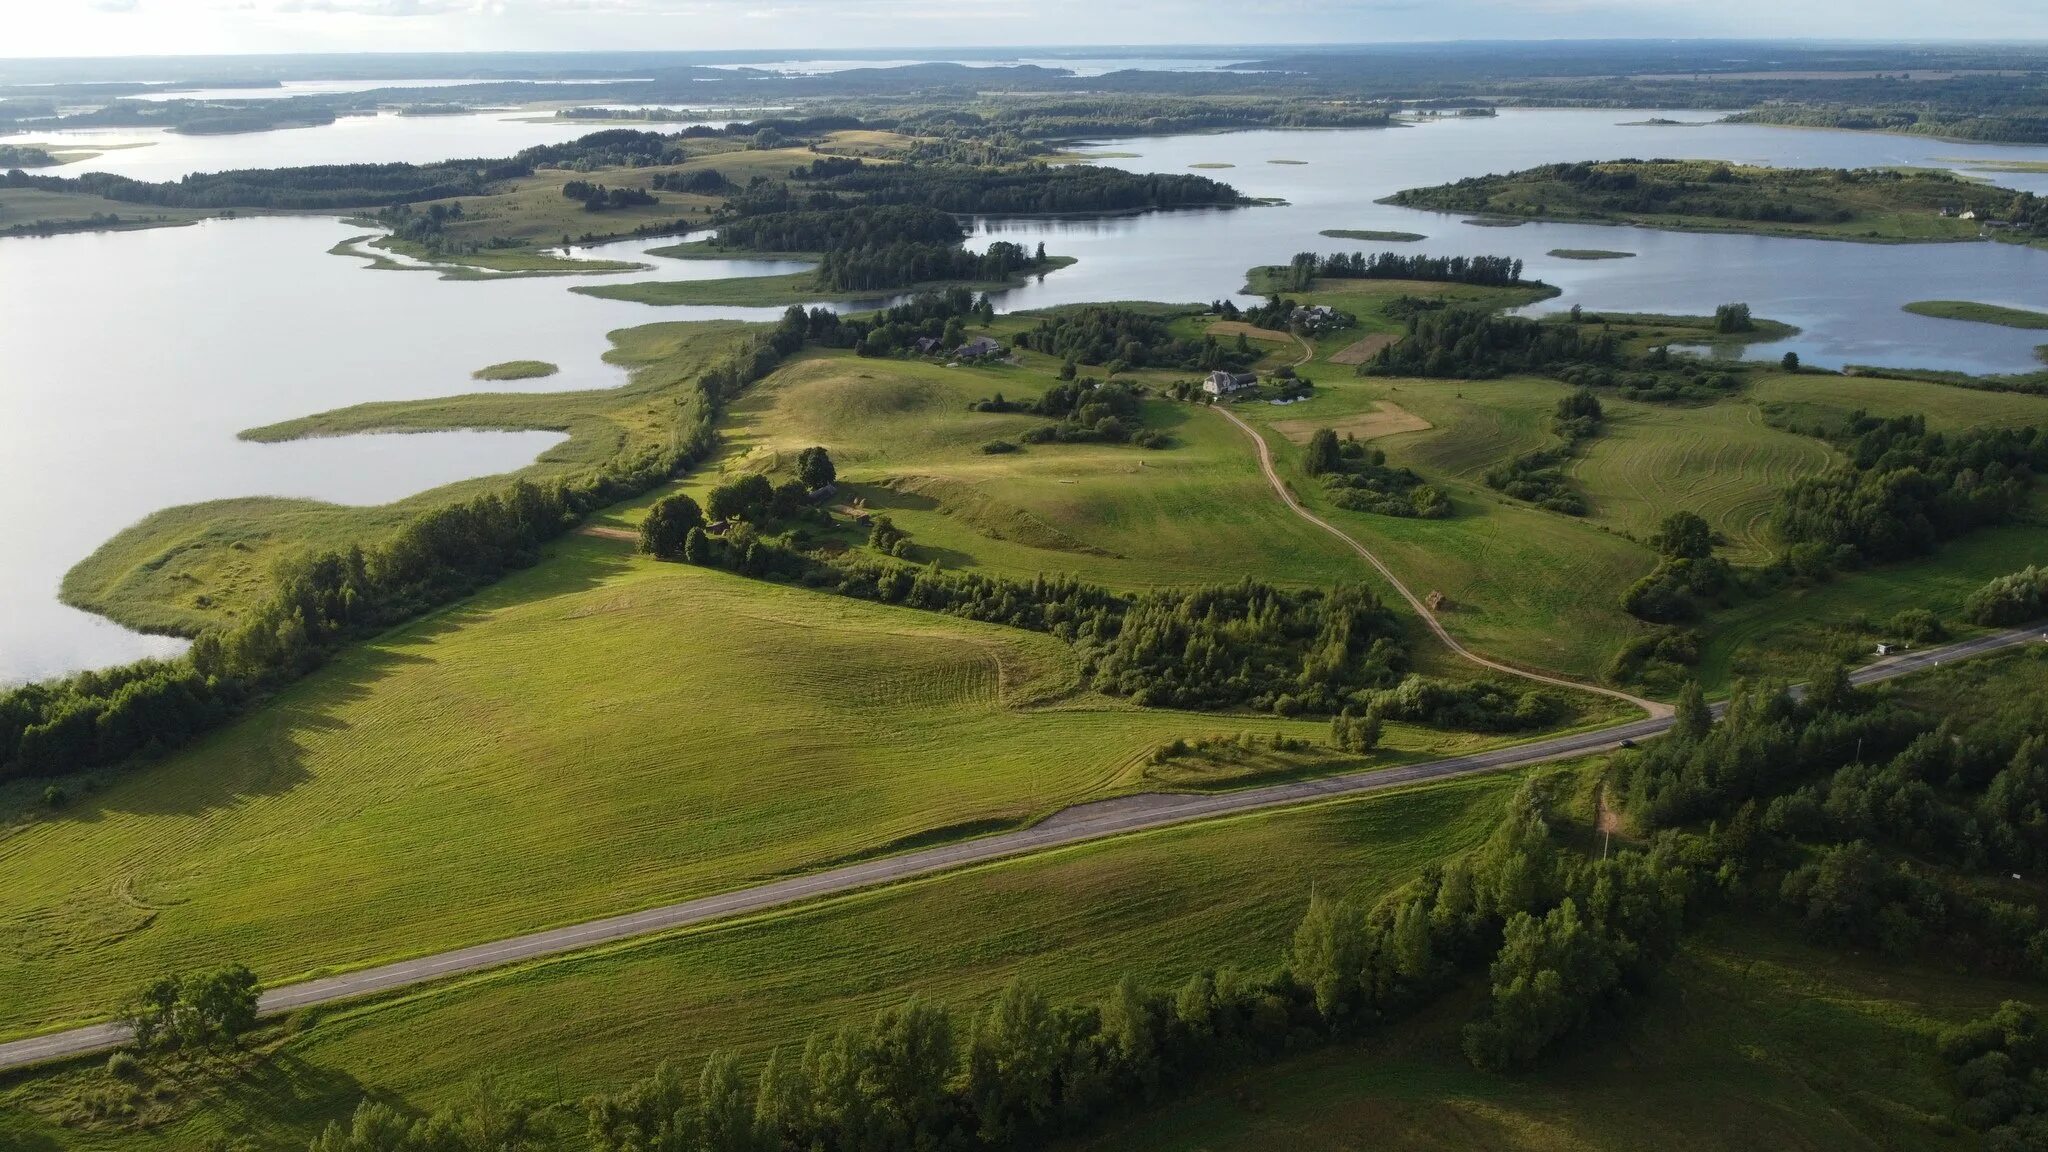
[114, 5]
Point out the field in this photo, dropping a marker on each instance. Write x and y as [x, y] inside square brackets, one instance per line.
[1979, 313]
[908, 445]
[1721, 461]
[1828, 399]
[498, 767]
[1160, 906]
[1528, 586]
[185, 568]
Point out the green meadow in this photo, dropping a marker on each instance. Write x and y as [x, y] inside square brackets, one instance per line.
[1160, 906]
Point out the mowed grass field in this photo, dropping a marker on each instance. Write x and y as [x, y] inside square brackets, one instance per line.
[598, 734]
[1159, 906]
[1721, 461]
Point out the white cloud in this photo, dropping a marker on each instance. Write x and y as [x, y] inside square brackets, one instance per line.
[62, 27]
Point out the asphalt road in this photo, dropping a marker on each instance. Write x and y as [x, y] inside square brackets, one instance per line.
[1073, 826]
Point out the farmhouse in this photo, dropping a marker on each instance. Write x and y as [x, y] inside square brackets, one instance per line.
[1222, 383]
[927, 345]
[977, 348]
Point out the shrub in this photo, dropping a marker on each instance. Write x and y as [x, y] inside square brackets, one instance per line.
[998, 447]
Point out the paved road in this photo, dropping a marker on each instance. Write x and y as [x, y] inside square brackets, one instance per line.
[1651, 707]
[1074, 826]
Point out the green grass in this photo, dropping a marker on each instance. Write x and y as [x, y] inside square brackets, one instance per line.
[1374, 234]
[190, 567]
[596, 734]
[1752, 1040]
[1721, 461]
[1980, 313]
[1160, 906]
[516, 370]
[775, 291]
[1589, 254]
[1808, 398]
[1525, 585]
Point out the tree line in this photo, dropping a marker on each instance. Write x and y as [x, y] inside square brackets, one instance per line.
[1491, 271]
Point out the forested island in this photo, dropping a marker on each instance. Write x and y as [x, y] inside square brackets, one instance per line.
[1832, 203]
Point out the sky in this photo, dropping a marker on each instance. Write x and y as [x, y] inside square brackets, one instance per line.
[174, 27]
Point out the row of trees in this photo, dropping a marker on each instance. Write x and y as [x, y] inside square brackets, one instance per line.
[1495, 271]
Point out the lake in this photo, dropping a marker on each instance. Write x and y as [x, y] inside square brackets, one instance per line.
[133, 358]
[384, 137]
[1844, 296]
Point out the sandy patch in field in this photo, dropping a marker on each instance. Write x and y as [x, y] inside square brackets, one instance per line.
[1384, 420]
[1365, 349]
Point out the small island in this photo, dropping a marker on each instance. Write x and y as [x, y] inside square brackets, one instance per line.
[1213, 164]
[1374, 234]
[1977, 313]
[1884, 205]
[1589, 254]
[515, 370]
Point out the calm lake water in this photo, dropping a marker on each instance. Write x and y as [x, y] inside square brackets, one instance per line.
[132, 359]
[385, 137]
[1844, 296]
